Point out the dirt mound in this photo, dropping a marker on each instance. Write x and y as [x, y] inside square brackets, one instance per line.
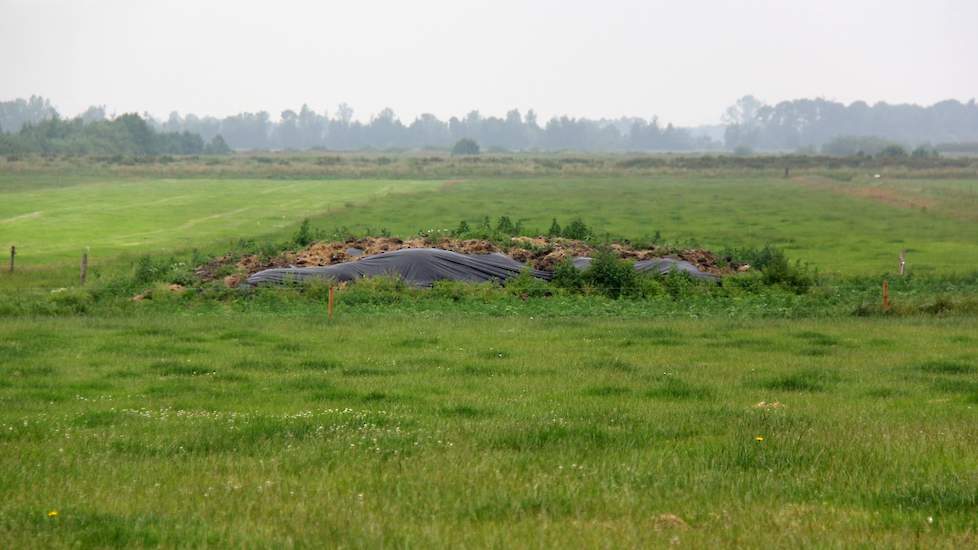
[320, 254]
[543, 253]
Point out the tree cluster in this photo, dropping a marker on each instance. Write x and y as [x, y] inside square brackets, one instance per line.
[128, 134]
[836, 128]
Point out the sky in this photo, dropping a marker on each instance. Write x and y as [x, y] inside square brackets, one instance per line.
[682, 61]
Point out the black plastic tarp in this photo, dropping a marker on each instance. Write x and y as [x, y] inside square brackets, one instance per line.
[424, 266]
[656, 266]
[416, 266]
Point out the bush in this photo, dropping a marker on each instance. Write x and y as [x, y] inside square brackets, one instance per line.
[303, 236]
[166, 270]
[146, 270]
[774, 267]
[526, 285]
[611, 276]
[568, 277]
[373, 291]
[924, 152]
[577, 230]
[71, 300]
[457, 291]
[554, 230]
[678, 284]
[465, 146]
[650, 287]
[893, 151]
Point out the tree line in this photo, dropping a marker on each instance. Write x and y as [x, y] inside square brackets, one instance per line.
[128, 134]
[803, 125]
[808, 125]
[307, 129]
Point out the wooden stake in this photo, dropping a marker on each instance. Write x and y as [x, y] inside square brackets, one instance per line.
[886, 296]
[329, 308]
[84, 267]
[903, 261]
[13, 252]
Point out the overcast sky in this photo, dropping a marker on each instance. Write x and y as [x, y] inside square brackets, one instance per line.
[684, 61]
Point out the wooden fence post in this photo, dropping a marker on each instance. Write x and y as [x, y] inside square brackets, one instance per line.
[903, 261]
[84, 267]
[886, 295]
[13, 252]
[329, 308]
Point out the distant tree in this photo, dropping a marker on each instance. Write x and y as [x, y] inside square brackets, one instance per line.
[288, 130]
[96, 113]
[924, 152]
[743, 122]
[217, 146]
[465, 146]
[893, 151]
[17, 113]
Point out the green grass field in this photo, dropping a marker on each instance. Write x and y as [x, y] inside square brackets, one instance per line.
[53, 220]
[505, 424]
[459, 431]
[838, 232]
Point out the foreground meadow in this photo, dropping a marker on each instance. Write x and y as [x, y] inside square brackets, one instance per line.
[485, 431]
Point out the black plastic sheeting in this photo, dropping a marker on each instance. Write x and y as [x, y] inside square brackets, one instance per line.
[424, 266]
[416, 266]
[658, 266]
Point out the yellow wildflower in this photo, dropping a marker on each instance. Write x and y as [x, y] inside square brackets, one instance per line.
[759, 438]
[53, 514]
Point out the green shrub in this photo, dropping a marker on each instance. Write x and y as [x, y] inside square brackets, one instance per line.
[577, 230]
[774, 267]
[147, 270]
[554, 230]
[526, 285]
[568, 277]
[462, 229]
[71, 300]
[465, 146]
[505, 226]
[678, 284]
[374, 291]
[317, 289]
[650, 287]
[303, 236]
[458, 291]
[611, 276]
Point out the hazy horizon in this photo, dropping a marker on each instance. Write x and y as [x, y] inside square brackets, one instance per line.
[685, 64]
